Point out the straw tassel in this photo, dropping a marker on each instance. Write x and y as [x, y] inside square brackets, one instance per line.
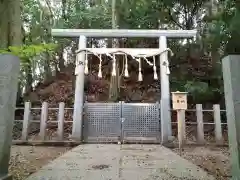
[126, 74]
[154, 69]
[114, 66]
[168, 71]
[140, 77]
[86, 64]
[167, 68]
[100, 67]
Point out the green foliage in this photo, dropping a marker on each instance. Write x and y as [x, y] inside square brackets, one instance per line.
[29, 51]
[196, 87]
[217, 22]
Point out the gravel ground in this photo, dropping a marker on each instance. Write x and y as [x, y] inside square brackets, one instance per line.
[26, 160]
[214, 160]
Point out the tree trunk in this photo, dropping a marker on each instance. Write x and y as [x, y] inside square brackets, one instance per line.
[61, 59]
[11, 28]
[48, 57]
[15, 23]
[4, 27]
[19, 93]
[29, 78]
[114, 84]
[64, 6]
[47, 68]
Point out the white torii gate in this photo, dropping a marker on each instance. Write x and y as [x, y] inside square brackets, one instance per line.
[166, 129]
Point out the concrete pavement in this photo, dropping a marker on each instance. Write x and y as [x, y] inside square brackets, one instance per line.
[120, 162]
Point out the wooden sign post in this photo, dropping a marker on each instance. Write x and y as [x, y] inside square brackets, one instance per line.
[179, 103]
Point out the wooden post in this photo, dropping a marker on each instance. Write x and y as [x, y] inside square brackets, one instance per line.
[218, 124]
[179, 103]
[44, 118]
[181, 128]
[200, 128]
[26, 120]
[61, 121]
[231, 77]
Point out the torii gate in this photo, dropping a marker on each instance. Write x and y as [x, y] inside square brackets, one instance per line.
[166, 129]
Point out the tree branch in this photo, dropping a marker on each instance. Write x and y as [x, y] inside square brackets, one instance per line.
[173, 20]
[195, 9]
[50, 8]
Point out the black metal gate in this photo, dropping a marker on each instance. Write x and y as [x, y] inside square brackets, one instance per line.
[117, 122]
